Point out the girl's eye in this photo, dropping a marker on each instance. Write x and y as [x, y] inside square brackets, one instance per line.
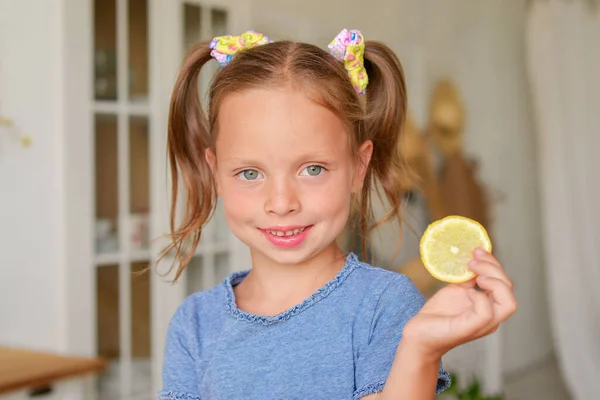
[313, 170]
[249, 175]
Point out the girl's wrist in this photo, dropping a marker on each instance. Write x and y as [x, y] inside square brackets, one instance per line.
[411, 346]
[414, 373]
[415, 353]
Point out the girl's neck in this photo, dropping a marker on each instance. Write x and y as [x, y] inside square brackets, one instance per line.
[271, 288]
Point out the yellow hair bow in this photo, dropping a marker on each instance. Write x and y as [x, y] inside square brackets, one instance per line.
[225, 47]
[349, 47]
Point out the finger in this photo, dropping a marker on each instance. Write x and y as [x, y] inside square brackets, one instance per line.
[468, 284]
[483, 255]
[504, 300]
[484, 268]
[487, 269]
[482, 315]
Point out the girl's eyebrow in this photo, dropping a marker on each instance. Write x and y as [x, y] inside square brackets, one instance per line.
[307, 157]
[318, 156]
[242, 161]
[315, 156]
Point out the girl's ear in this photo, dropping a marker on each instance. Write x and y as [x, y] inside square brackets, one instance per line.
[365, 151]
[211, 160]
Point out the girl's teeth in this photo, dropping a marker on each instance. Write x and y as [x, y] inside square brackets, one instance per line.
[287, 233]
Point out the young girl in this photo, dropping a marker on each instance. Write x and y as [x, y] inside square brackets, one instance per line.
[294, 140]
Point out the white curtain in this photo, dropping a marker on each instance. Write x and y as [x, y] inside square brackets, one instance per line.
[563, 60]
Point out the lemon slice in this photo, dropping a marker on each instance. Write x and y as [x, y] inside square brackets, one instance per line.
[447, 247]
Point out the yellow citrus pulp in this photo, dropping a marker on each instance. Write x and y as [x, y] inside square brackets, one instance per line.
[447, 247]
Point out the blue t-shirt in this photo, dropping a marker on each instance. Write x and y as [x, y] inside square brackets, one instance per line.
[338, 344]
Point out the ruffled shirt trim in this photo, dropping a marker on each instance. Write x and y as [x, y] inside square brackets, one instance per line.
[369, 389]
[443, 383]
[350, 264]
[170, 395]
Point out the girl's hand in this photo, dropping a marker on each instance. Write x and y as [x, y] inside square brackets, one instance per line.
[459, 313]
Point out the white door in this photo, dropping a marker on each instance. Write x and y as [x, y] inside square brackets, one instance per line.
[117, 124]
[122, 128]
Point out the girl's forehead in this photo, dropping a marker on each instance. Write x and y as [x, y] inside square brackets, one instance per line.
[277, 120]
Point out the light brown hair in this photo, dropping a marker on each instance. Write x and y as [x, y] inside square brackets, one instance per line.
[378, 117]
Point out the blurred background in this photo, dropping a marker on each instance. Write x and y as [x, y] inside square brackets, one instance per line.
[503, 127]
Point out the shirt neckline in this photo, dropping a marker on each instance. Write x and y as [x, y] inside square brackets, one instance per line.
[350, 264]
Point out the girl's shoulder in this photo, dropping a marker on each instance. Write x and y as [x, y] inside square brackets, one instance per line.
[379, 279]
[207, 301]
[201, 307]
[371, 289]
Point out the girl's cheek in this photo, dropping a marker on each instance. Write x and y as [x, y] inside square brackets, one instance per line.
[239, 193]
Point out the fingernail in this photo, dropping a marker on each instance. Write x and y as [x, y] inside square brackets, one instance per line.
[481, 278]
[479, 251]
[472, 263]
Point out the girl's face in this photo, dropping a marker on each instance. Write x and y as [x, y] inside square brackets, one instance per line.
[285, 174]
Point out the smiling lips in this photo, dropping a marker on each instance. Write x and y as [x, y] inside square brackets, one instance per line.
[286, 236]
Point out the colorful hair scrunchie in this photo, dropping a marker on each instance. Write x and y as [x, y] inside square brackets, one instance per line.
[225, 47]
[349, 47]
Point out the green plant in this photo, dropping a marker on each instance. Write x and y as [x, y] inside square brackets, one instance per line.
[472, 391]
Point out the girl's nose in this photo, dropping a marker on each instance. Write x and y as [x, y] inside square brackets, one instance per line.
[282, 197]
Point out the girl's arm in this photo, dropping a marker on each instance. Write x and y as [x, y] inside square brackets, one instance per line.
[456, 314]
[412, 376]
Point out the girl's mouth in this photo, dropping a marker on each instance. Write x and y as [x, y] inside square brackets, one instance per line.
[291, 232]
[287, 237]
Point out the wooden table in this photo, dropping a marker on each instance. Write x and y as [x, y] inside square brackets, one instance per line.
[25, 369]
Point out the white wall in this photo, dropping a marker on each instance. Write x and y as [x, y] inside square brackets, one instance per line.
[31, 213]
[480, 45]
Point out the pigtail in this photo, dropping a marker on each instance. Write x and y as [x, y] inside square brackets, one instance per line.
[386, 104]
[188, 138]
